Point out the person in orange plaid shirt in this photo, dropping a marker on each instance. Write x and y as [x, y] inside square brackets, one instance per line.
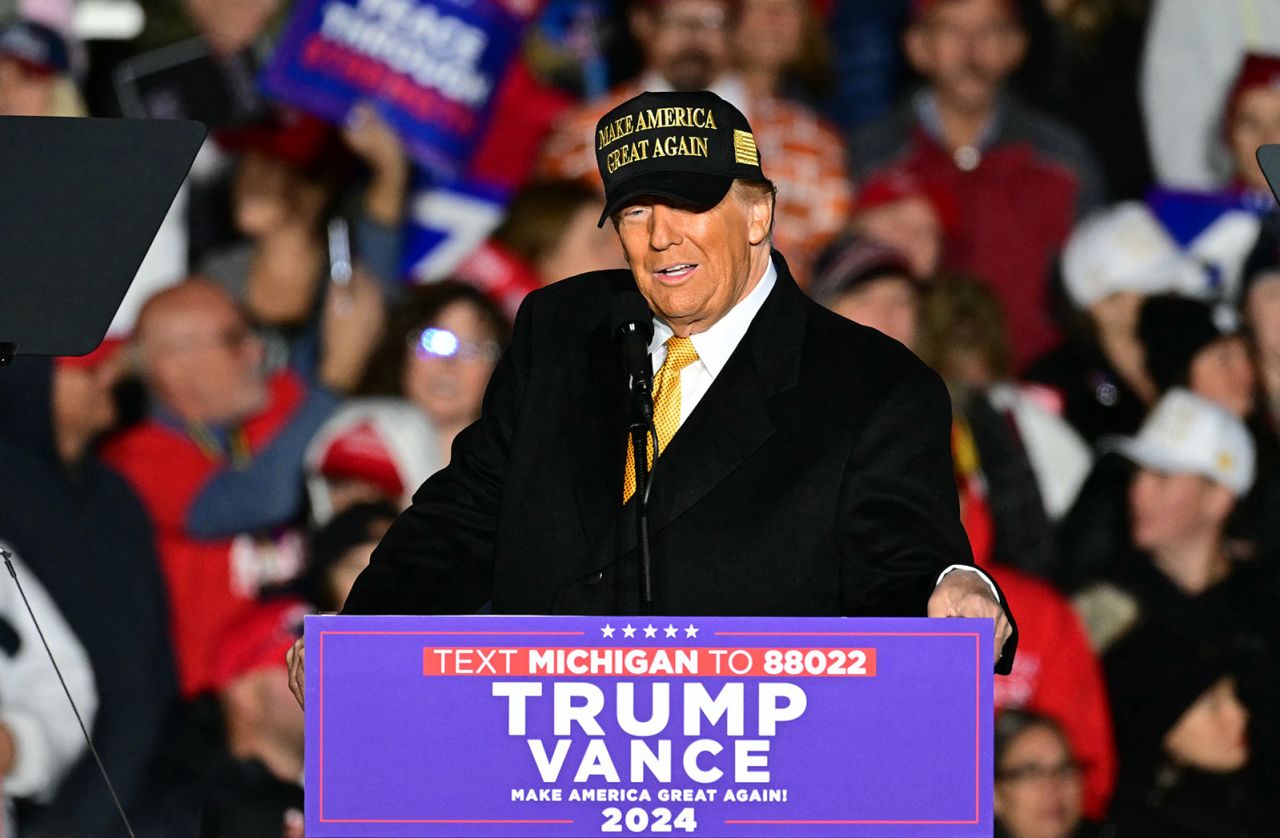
[686, 47]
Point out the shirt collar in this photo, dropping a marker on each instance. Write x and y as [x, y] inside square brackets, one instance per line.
[716, 344]
[925, 104]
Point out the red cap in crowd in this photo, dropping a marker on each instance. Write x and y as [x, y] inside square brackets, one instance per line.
[1256, 71]
[258, 639]
[895, 185]
[297, 138]
[362, 452]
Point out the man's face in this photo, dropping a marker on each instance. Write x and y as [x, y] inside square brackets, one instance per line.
[1038, 790]
[967, 48]
[1223, 372]
[693, 266]
[684, 41]
[889, 304]
[1256, 122]
[206, 360]
[1169, 509]
[1213, 733]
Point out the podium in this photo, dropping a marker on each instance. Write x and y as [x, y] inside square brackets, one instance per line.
[714, 726]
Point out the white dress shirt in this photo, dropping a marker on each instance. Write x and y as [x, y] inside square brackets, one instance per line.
[715, 345]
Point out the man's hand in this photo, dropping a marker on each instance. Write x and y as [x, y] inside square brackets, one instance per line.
[376, 143]
[964, 594]
[296, 677]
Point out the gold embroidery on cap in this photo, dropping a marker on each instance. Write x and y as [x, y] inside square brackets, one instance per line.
[744, 148]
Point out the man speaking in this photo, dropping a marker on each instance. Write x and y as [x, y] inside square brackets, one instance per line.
[803, 464]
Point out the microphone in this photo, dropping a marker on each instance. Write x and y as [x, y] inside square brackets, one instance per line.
[631, 325]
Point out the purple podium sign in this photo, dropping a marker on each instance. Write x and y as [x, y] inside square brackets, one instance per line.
[571, 726]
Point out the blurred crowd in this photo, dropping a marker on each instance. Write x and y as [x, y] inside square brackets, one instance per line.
[1055, 203]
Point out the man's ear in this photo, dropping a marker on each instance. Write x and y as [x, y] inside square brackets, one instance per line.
[919, 50]
[760, 218]
[1220, 502]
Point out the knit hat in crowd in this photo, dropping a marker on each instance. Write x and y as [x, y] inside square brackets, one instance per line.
[1187, 434]
[1125, 248]
[853, 260]
[1174, 329]
[360, 524]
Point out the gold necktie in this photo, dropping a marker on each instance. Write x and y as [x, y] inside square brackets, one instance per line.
[666, 405]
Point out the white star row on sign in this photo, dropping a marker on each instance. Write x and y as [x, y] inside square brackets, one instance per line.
[649, 631]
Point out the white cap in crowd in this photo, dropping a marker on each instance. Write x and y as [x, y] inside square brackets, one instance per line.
[1186, 434]
[1126, 248]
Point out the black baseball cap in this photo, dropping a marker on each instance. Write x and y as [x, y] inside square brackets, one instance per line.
[688, 146]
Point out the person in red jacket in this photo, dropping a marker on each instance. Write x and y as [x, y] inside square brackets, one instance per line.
[218, 464]
[1021, 178]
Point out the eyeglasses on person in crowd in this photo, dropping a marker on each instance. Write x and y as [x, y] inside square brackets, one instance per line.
[442, 343]
[1062, 771]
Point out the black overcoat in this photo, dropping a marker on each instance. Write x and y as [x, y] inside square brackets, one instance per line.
[813, 478]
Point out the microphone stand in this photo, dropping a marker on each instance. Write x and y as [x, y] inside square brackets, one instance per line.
[640, 429]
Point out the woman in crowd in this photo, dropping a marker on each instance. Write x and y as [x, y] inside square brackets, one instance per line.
[1184, 739]
[424, 384]
[440, 347]
[1038, 787]
[317, 310]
